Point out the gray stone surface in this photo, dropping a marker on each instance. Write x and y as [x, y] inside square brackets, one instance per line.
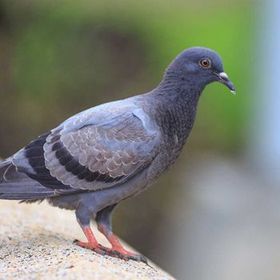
[36, 243]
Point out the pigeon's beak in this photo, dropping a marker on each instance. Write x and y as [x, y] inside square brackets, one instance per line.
[224, 79]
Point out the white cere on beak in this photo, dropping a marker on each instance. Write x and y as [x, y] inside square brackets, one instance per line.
[223, 75]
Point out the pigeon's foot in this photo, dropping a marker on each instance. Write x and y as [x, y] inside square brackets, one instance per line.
[117, 249]
[92, 243]
[91, 246]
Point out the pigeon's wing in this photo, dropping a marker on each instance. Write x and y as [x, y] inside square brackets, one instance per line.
[93, 150]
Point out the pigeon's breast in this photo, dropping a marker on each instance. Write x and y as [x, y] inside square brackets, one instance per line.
[176, 125]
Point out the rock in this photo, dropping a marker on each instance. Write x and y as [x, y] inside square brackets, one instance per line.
[36, 242]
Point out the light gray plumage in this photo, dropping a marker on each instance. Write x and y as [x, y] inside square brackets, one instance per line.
[113, 151]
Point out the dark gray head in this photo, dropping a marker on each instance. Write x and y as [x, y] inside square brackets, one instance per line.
[200, 67]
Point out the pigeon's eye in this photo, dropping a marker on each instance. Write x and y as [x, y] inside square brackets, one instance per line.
[205, 63]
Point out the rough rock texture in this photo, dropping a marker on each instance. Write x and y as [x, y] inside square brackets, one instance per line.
[36, 243]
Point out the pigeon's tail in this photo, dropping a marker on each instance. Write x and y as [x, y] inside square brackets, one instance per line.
[18, 186]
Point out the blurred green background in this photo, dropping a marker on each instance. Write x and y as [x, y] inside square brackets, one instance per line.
[61, 57]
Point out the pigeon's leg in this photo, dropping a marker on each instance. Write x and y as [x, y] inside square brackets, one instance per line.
[103, 219]
[83, 217]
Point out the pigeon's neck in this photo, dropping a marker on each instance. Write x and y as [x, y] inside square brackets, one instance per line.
[175, 101]
[175, 93]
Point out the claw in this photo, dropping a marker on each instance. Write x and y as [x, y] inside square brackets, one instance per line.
[128, 256]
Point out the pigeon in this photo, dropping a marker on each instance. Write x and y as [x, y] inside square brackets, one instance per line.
[103, 155]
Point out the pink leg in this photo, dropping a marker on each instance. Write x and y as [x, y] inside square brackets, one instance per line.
[117, 249]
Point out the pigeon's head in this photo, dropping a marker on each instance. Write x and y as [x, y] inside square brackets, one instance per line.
[201, 66]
